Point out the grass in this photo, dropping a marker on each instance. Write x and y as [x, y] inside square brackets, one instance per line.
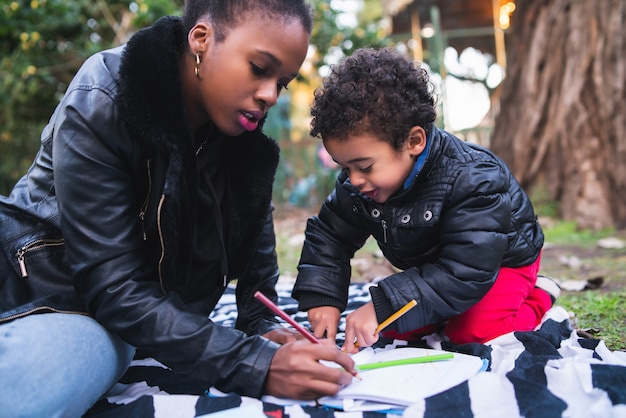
[602, 311]
[567, 233]
[601, 314]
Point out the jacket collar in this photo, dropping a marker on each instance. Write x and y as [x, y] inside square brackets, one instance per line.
[150, 97]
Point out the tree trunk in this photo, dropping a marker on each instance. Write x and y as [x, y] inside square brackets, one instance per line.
[562, 120]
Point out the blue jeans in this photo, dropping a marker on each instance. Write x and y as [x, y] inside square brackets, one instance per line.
[57, 365]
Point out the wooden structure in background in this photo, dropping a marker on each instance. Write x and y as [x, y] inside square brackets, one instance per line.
[480, 24]
[428, 27]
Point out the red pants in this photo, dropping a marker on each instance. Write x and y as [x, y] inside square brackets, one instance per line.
[512, 304]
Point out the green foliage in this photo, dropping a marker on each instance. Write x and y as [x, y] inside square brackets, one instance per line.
[332, 39]
[543, 203]
[302, 180]
[42, 44]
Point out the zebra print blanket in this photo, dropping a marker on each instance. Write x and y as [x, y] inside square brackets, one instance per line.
[549, 372]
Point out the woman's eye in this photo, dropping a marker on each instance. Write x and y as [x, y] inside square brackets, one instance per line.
[256, 69]
[260, 72]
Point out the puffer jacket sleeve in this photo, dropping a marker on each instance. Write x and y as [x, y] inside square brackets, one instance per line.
[104, 242]
[472, 238]
[332, 238]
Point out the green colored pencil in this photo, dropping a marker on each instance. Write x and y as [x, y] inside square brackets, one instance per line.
[402, 362]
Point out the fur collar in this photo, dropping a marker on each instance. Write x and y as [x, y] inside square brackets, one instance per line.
[150, 88]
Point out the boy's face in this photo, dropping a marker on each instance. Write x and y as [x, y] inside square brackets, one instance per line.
[241, 76]
[374, 166]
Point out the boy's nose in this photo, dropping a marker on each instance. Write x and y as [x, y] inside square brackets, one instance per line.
[357, 181]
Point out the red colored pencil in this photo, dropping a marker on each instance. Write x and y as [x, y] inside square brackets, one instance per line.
[267, 302]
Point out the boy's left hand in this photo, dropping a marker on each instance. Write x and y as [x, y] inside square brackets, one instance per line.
[361, 327]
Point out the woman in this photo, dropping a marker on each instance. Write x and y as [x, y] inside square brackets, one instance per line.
[150, 193]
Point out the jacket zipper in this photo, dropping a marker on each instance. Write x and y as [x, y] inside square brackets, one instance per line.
[39, 309]
[225, 282]
[383, 221]
[220, 229]
[144, 207]
[160, 229]
[35, 245]
[384, 225]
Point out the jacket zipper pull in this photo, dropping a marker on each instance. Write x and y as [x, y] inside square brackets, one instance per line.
[225, 280]
[384, 224]
[142, 216]
[22, 262]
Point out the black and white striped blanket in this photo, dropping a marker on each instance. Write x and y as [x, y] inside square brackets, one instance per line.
[549, 372]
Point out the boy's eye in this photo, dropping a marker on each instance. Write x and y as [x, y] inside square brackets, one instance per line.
[365, 169]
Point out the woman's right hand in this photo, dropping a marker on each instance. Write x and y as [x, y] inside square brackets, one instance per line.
[296, 371]
[324, 321]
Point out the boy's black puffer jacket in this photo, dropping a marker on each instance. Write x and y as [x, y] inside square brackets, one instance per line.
[463, 217]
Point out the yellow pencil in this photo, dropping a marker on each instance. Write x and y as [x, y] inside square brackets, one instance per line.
[393, 317]
[396, 315]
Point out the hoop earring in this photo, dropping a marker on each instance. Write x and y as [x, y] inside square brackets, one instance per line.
[197, 66]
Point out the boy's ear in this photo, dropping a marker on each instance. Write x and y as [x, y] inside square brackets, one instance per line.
[416, 141]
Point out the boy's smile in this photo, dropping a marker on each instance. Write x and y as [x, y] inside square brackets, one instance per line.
[374, 166]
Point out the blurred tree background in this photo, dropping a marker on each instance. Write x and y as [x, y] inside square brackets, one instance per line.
[42, 44]
[560, 124]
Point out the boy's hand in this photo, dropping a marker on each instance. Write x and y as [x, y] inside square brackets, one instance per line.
[361, 327]
[296, 373]
[325, 320]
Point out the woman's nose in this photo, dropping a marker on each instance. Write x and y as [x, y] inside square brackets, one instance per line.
[268, 93]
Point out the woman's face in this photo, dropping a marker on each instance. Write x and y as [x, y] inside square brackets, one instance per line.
[241, 77]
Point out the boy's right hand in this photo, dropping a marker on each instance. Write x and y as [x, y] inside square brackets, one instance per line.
[296, 371]
[324, 321]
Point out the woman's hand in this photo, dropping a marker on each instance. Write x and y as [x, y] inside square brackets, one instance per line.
[324, 321]
[283, 335]
[296, 371]
[361, 327]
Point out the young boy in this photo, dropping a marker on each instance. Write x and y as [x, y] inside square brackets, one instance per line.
[449, 214]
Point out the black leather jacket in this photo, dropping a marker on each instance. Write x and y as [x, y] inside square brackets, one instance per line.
[103, 222]
[463, 217]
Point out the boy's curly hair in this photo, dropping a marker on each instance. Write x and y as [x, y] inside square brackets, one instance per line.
[377, 91]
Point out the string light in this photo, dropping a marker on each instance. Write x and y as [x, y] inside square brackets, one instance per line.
[506, 10]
